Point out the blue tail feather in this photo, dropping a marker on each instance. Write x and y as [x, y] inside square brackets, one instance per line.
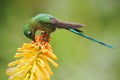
[76, 31]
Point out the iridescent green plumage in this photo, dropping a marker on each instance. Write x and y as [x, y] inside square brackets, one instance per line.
[86, 36]
[48, 24]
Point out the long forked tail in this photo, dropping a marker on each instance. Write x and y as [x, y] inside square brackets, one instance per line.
[76, 31]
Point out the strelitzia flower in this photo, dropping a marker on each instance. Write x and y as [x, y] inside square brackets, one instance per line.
[32, 61]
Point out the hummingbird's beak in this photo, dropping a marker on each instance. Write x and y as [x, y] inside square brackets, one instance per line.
[33, 38]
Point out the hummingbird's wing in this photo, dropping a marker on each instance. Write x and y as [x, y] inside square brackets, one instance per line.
[60, 24]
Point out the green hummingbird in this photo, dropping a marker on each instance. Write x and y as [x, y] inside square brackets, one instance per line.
[48, 24]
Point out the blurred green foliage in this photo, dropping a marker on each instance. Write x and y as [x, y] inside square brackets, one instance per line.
[79, 59]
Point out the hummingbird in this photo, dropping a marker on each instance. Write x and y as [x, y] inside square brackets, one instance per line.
[48, 24]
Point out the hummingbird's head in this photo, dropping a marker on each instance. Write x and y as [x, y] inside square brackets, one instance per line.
[29, 31]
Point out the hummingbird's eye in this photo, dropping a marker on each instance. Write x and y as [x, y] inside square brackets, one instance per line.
[29, 33]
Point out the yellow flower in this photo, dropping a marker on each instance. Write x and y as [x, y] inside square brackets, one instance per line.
[32, 61]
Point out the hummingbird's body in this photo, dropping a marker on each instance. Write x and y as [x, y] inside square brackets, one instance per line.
[48, 24]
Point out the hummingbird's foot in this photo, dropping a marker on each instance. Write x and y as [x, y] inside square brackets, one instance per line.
[44, 37]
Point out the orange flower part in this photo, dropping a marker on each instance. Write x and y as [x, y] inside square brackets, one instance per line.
[32, 61]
